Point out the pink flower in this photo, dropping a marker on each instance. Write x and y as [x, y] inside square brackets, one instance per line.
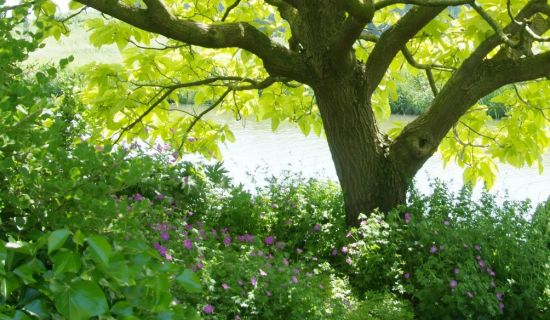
[456, 270]
[254, 281]
[262, 273]
[285, 261]
[334, 252]
[344, 250]
[446, 222]
[208, 309]
[348, 260]
[225, 286]
[165, 236]
[138, 197]
[269, 240]
[453, 284]
[407, 217]
[433, 249]
[200, 266]
[491, 272]
[477, 247]
[501, 306]
[499, 296]
[316, 227]
[160, 196]
[481, 263]
[294, 279]
[188, 244]
[227, 240]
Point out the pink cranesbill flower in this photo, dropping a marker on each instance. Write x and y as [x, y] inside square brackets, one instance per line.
[269, 240]
[262, 273]
[477, 247]
[407, 217]
[344, 250]
[285, 261]
[254, 281]
[294, 279]
[188, 244]
[499, 296]
[334, 252]
[481, 263]
[165, 236]
[227, 240]
[453, 283]
[433, 249]
[208, 309]
[138, 197]
[501, 306]
[225, 286]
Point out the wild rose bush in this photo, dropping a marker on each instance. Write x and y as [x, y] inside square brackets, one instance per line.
[454, 257]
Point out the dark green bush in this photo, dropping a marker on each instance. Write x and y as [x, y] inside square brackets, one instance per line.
[454, 257]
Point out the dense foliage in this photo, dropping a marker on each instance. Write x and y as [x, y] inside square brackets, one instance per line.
[95, 231]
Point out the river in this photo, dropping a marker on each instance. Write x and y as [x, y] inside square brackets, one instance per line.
[258, 148]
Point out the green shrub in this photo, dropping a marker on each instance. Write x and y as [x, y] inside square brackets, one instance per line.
[70, 275]
[414, 96]
[381, 306]
[454, 257]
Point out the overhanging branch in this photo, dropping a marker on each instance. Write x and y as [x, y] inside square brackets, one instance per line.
[156, 18]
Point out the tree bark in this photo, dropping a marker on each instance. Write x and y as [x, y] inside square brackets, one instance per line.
[369, 180]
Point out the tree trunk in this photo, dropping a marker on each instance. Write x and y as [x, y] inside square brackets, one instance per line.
[369, 180]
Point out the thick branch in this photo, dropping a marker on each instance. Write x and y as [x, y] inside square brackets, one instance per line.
[425, 3]
[420, 138]
[278, 60]
[394, 39]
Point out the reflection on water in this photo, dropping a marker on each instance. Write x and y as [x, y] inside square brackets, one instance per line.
[288, 149]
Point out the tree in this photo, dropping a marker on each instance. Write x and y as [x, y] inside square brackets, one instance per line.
[331, 64]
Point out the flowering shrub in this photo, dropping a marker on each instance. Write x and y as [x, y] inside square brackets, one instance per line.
[458, 258]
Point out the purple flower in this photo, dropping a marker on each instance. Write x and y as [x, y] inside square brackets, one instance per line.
[469, 294]
[453, 284]
[334, 252]
[456, 270]
[227, 240]
[433, 249]
[200, 266]
[249, 238]
[225, 286]
[407, 217]
[501, 306]
[481, 263]
[477, 247]
[269, 240]
[294, 279]
[208, 309]
[138, 197]
[254, 281]
[446, 222]
[160, 196]
[165, 236]
[188, 244]
[406, 275]
[491, 272]
[285, 262]
[499, 296]
[316, 227]
[344, 250]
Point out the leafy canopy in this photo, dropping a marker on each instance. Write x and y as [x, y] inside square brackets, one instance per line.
[140, 96]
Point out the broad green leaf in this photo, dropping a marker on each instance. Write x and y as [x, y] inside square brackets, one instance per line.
[190, 281]
[81, 299]
[66, 261]
[38, 308]
[100, 248]
[57, 239]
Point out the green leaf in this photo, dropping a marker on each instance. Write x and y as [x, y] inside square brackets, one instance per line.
[123, 309]
[38, 308]
[101, 249]
[190, 281]
[27, 270]
[66, 261]
[57, 239]
[81, 299]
